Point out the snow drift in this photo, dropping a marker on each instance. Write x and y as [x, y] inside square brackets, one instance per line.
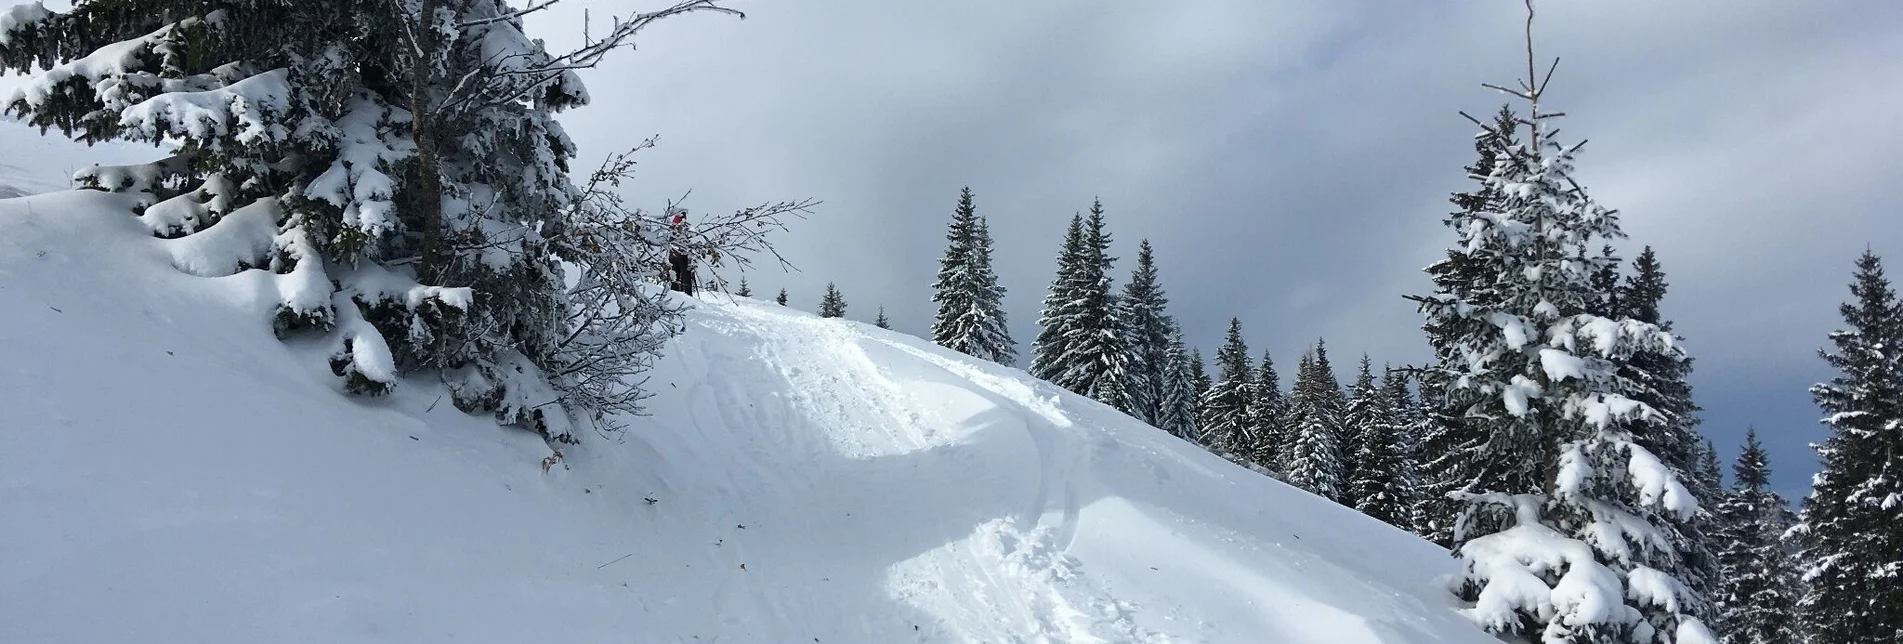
[169, 471]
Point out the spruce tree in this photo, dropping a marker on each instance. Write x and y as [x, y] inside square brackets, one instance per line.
[781, 298]
[1081, 345]
[1315, 460]
[1605, 283]
[1660, 381]
[1759, 586]
[970, 301]
[1451, 441]
[1225, 421]
[1266, 414]
[1180, 393]
[1147, 329]
[1377, 488]
[833, 304]
[1565, 524]
[745, 291]
[1199, 377]
[407, 168]
[880, 321]
[1852, 529]
[1047, 350]
[1409, 420]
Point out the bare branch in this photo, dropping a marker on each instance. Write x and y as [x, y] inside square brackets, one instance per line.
[544, 4]
[1503, 90]
[1549, 75]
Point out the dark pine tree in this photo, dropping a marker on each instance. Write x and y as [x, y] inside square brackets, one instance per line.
[1660, 380]
[1178, 411]
[1758, 581]
[1225, 420]
[1852, 525]
[1081, 345]
[1452, 441]
[744, 290]
[1410, 421]
[880, 321]
[1147, 330]
[1047, 350]
[1266, 413]
[1315, 459]
[1554, 472]
[1605, 282]
[1377, 487]
[832, 305]
[781, 298]
[970, 301]
[1199, 378]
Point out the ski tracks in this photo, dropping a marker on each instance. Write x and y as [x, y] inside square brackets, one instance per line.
[1016, 564]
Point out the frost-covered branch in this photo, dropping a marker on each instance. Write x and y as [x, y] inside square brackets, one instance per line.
[620, 316]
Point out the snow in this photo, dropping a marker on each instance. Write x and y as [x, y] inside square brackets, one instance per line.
[1657, 484]
[19, 16]
[176, 473]
[238, 110]
[1518, 393]
[1560, 365]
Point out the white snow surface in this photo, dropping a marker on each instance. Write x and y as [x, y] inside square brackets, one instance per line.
[171, 472]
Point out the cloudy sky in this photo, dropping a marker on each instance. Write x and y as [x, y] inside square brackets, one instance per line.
[1290, 159]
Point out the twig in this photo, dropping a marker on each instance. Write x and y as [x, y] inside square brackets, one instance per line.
[612, 562]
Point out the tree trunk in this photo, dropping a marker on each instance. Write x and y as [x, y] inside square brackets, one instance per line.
[434, 260]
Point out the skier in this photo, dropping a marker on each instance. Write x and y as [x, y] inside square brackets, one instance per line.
[683, 269]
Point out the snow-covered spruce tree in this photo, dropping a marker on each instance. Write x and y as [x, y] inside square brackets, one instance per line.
[1661, 382]
[1852, 529]
[1605, 283]
[1081, 345]
[1267, 413]
[397, 165]
[1377, 487]
[970, 301]
[1315, 461]
[744, 290]
[1177, 413]
[1047, 350]
[1380, 483]
[1146, 337]
[1450, 442]
[1199, 377]
[1759, 586]
[1225, 420]
[880, 321]
[832, 304]
[1408, 420]
[997, 337]
[1565, 533]
[781, 298]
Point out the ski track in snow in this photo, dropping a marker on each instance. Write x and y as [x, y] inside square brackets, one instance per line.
[169, 471]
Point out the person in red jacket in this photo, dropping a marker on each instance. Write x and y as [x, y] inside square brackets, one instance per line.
[683, 268]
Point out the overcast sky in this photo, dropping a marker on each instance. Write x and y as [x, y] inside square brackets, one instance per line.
[1291, 160]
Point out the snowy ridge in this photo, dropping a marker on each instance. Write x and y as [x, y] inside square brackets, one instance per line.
[172, 472]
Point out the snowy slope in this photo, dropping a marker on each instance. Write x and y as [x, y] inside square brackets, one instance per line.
[33, 164]
[170, 472]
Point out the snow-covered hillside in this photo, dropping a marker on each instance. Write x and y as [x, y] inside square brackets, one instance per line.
[170, 472]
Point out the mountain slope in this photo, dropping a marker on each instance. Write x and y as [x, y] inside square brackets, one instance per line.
[169, 471]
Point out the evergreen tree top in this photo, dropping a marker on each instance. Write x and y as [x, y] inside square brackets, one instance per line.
[1752, 472]
[1232, 359]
